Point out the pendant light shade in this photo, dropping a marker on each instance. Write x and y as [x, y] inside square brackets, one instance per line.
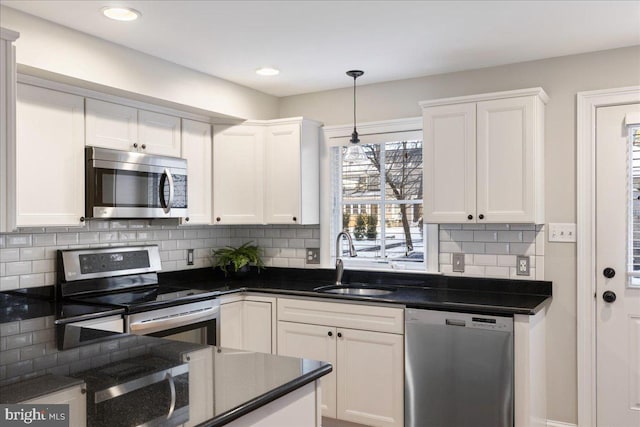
[355, 152]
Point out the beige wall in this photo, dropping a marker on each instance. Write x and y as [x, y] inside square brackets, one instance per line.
[57, 49]
[561, 78]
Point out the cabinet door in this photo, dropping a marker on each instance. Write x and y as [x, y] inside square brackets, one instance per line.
[196, 148]
[72, 396]
[257, 326]
[49, 158]
[282, 174]
[318, 343]
[159, 133]
[231, 324]
[450, 163]
[505, 144]
[238, 161]
[111, 125]
[370, 377]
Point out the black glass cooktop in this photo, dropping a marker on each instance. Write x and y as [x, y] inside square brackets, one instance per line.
[140, 297]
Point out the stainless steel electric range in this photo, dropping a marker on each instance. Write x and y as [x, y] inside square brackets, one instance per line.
[127, 278]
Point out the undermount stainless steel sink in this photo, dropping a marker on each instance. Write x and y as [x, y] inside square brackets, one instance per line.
[355, 290]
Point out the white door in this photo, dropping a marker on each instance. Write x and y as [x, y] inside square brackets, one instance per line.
[370, 384]
[450, 163]
[49, 158]
[238, 187]
[197, 149]
[159, 133]
[111, 125]
[618, 231]
[282, 174]
[313, 342]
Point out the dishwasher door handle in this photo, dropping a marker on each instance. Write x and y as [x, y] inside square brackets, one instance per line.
[455, 322]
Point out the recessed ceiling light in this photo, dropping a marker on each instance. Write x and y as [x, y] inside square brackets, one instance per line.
[267, 71]
[121, 13]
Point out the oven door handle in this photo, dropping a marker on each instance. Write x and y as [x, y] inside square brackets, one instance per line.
[170, 322]
[172, 388]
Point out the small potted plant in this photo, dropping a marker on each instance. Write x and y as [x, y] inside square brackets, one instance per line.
[237, 260]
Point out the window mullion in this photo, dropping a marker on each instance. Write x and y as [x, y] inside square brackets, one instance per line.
[383, 205]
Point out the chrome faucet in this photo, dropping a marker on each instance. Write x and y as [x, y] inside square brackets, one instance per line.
[339, 263]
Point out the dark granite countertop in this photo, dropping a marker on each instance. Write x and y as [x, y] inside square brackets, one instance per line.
[438, 292]
[238, 383]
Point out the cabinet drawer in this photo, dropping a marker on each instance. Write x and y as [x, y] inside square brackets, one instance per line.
[354, 316]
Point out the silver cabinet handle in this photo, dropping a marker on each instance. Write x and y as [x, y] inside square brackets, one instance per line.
[172, 388]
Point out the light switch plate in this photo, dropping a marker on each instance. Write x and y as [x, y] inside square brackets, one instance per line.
[562, 232]
[458, 263]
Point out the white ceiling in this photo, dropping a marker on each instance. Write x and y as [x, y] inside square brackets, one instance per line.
[313, 43]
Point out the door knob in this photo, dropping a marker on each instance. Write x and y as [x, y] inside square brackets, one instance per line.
[609, 296]
[609, 272]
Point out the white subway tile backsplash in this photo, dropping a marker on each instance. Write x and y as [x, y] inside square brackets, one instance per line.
[506, 260]
[510, 236]
[31, 280]
[304, 233]
[522, 248]
[9, 255]
[485, 236]
[47, 239]
[497, 248]
[168, 245]
[18, 240]
[483, 259]
[497, 226]
[9, 282]
[118, 225]
[473, 247]
[16, 268]
[473, 226]
[450, 226]
[28, 254]
[2, 241]
[296, 263]
[67, 238]
[492, 271]
[450, 247]
[462, 236]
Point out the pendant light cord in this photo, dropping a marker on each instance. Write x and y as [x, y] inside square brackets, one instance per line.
[354, 102]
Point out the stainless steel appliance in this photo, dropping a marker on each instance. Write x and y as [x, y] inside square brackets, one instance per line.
[146, 390]
[121, 184]
[458, 369]
[126, 277]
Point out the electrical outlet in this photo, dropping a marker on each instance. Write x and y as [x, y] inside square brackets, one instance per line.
[562, 232]
[189, 256]
[522, 265]
[313, 256]
[458, 263]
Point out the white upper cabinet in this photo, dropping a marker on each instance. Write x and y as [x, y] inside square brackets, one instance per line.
[292, 173]
[197, 149]
[267, 172]
[120, 127]
[159, 133]
[238, 187]
[484, 158]
[49, 158]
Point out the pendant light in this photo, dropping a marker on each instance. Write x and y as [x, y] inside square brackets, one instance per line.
[355, 152]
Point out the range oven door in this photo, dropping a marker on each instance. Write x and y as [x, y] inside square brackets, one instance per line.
[196, 322]
[131, 393]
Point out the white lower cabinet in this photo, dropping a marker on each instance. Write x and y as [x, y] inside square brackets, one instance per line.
[366, 385]
[247, 323]
[73, 396]
[49, 187]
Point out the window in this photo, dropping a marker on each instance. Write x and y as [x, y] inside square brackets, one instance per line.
[634, 208]
[377, 198]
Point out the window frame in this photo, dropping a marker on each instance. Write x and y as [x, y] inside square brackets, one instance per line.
[370, 132]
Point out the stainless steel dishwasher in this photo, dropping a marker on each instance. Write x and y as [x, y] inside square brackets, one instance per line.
[458, 370]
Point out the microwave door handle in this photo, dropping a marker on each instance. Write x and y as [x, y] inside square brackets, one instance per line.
[172, 388]
[166, 206]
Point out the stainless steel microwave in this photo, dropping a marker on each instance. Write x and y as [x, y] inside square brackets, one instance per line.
[121, 184]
